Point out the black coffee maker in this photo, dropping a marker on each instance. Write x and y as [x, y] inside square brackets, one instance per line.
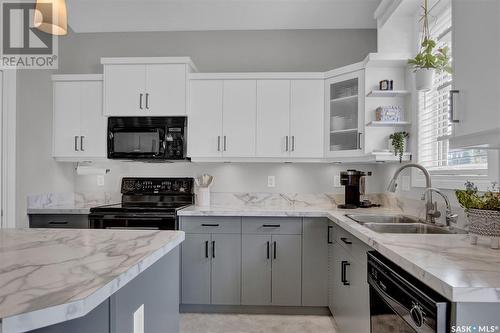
[354, 182]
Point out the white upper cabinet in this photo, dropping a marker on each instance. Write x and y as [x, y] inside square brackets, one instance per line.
[273, 118]
[205, 119]
[345, 115]
[79, 126]
[306, 118]
[476, 54]
[146, 86]
[239, 118]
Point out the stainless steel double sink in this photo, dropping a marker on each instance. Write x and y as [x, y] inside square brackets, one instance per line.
[400, 224]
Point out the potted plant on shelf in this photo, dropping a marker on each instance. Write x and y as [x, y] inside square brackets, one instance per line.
[429, 59]
[483, 212]
[398, 143]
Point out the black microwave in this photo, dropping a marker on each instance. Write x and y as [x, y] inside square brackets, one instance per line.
[147, 138]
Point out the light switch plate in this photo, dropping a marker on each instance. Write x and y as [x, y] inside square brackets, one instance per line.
[336, 181]
[271, 181]
[100, 180]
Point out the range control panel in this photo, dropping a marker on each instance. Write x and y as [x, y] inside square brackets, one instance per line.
[157, 186]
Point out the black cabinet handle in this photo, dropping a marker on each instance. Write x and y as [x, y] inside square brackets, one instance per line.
[268, 255]
[58, 222]
[343, 273]
[345, 240]
[275, 248]
[213, 249]
[210, 225]
[206, 249]
[329, 238]
[271, 226]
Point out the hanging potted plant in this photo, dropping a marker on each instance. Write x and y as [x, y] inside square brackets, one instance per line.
[397, 143]
[429, 59]
[483, 212]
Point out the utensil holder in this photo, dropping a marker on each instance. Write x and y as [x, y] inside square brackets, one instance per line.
[203, 197]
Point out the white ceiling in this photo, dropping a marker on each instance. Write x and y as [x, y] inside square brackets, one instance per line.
[199, 15]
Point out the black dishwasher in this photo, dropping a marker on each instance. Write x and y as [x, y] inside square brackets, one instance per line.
[399, 303]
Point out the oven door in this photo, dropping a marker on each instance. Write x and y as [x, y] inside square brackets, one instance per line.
[133, 221]
[136, 143]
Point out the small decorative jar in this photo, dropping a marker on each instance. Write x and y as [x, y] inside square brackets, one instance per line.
[484, 223]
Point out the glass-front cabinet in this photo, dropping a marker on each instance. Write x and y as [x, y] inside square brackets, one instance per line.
[345, 115]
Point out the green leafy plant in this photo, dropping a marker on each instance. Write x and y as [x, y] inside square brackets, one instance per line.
[398, 143]
[471, 198]
[429, 57]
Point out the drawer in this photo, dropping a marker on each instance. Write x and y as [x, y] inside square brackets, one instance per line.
[72, 221]
[273, 225]
[211, 224]
[351, 244]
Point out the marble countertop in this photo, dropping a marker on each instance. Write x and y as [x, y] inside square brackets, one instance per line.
[52, 275]
[448, 264]
[80, 209]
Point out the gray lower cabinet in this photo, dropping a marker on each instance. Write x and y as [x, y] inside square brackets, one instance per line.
[64, 221]
[349, 291]
[315, 249]
[211, 261]
[271, 261]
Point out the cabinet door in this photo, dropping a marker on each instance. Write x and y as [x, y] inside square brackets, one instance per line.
[306, 118]
[67, 105]
[195, 269]
[286, 270]
[345, 115]
[226, 269]
[476, 27]
[315, 262]
[331, 268]
[205, 119]
[239, 118]
[357, 317]
[165, 90]
[124, 90]
[273, 118]
[256, 270]
[92, 122]
[340, 298]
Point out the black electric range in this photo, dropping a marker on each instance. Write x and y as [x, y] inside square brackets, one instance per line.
[147, 203]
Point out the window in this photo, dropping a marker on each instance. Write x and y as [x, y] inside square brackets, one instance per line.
[433, 117]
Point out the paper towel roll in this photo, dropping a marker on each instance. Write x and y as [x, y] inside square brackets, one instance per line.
[89, 170]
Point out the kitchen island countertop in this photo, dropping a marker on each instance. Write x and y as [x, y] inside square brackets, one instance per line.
[54, 275]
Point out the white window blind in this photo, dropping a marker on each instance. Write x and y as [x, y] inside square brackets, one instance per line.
[433, 115]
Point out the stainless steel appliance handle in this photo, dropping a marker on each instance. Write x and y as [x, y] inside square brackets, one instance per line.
[81, 142]
[147, 101]
[76, 143]
[452, 106]
[140, 101]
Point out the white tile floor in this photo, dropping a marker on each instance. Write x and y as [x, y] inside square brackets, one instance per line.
[237, 323]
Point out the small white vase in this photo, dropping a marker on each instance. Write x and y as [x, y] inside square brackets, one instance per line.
[203, 197]
[424, 78]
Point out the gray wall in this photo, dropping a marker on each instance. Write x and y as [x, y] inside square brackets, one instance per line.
[214, 51]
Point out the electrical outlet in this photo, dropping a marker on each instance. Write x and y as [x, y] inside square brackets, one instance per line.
[100, 180]
[271, 181]
[336, 181]
[405, 183]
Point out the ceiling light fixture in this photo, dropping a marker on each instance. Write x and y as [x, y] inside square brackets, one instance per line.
[51, 17]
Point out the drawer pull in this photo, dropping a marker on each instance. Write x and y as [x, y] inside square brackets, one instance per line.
[275, 248]
[271, 226]
[268, 254]
[345, 240]
[58, 223]
[213, 249]
[210, 225]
